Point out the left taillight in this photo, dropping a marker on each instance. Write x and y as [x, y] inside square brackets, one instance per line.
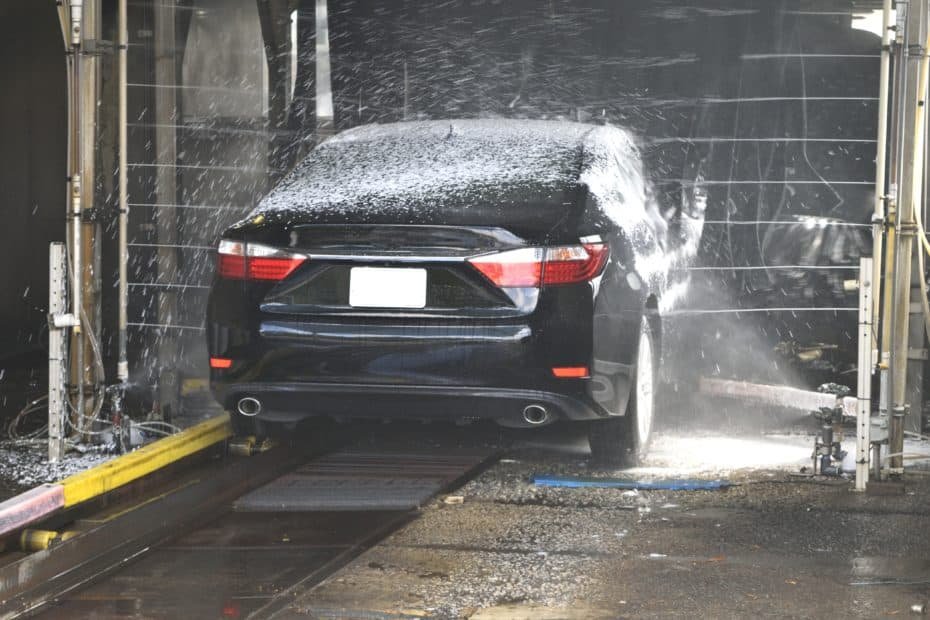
[238, 260]
[552, 266]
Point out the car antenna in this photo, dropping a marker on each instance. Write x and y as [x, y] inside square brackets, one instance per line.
[451, 131]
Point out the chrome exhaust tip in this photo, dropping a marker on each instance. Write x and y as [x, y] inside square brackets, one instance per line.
[535, 415]
[249, 406]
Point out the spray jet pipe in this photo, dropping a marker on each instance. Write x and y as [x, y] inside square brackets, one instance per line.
[77, 16]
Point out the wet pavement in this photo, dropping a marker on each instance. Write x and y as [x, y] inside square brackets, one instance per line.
[229, 569]
[294, 530]
[772, 545]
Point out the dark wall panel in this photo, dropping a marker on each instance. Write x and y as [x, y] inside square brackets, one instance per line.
[32, 165]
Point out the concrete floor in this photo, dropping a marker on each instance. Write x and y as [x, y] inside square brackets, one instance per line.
[774, 545]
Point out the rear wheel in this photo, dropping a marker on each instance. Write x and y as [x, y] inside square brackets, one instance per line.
[622, 441]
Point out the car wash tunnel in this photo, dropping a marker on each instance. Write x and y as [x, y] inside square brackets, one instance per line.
[464, 309]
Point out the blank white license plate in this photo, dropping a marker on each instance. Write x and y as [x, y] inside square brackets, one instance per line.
[385, 287]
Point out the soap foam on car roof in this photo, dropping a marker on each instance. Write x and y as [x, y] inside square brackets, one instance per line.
[417, 165]
[388, 166]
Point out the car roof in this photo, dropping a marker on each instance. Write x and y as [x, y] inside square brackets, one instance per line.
[425, 162]
[504, 132]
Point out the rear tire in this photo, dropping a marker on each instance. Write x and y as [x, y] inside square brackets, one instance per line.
[622, 441]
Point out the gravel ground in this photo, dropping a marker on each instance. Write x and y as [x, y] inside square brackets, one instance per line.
[24, 466]
[772, 545]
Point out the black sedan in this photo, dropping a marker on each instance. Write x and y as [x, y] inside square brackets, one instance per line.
[459, 270]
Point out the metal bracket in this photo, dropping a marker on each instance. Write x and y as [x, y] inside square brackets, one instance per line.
[60, 321]
[907, 229]
[97, 47]
[98, 214]
[878, 432]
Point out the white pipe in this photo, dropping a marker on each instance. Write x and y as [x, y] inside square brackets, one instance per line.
[122, 368]
[76, 265]
[77, 17]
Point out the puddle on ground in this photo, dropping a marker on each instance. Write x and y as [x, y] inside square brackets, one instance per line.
[880, 568]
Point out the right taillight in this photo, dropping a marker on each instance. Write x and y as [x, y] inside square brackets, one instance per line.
[577, 263]
[534, 267]
[239, 260]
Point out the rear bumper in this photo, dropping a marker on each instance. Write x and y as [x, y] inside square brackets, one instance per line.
[285, 402]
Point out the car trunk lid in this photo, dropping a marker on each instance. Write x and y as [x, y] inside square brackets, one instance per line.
[380, 270]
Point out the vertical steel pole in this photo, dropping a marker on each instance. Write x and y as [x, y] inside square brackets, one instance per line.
[895, 155]
[906, 227]
[878, 217]
[76, 12]
[864, 385]
[90, 250]
[166, 220]
[122, 367]
[324, 85]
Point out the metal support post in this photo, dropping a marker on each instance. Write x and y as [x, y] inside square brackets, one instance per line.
[90, 374]
[166, 220]
[878, 216]
[122, 367]
[884, 218]
[886, 286]
[324, 86]
[57, 350]
[75, 203]
[275, 19]
[903, 289]
[864, 383]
